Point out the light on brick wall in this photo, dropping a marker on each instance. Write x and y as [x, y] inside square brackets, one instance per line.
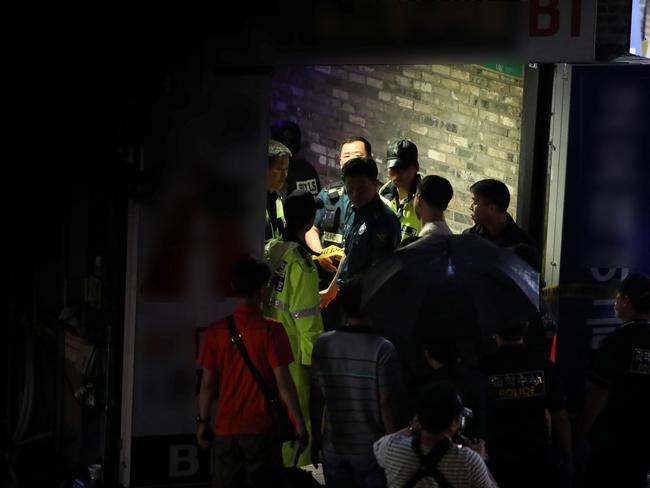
[465, 119]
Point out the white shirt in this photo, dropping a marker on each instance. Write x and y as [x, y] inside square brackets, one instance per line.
[437, 227]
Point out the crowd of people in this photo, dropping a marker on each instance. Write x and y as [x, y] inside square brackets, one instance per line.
[501, 421]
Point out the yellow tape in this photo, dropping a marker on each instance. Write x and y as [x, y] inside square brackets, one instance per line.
[328, 252]
[580, 290]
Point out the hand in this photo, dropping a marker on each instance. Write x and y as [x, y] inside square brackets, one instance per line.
[414, 424]
[328, 264]
[326, 296]
[302, 436]
[201, 437]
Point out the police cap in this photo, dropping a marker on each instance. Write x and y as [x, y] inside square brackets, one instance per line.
[402, 154]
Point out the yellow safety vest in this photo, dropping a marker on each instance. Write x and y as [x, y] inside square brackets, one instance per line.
[294, 301]
[409, 222]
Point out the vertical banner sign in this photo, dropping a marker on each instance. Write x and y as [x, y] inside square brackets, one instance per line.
[606, 228]
[208, 213]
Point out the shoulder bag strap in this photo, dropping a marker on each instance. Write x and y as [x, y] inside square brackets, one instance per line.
[236, 339]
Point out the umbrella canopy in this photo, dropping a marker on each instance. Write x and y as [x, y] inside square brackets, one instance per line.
[465, 279]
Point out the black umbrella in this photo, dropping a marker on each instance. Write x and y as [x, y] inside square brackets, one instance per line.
[461, 279]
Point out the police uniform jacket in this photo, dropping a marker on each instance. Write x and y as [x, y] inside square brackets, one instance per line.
[331, 218]
[372, 233]
[622, 366]
[521, 385]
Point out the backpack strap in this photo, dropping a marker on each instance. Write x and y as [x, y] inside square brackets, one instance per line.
[428, 463]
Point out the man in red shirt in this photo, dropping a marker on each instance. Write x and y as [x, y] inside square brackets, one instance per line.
[243, 430]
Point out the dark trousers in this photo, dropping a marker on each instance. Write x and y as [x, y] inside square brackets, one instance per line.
[620, 466]
[245, 460]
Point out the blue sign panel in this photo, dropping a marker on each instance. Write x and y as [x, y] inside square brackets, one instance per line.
[606, 226]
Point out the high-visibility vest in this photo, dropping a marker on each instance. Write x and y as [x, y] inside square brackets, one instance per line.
[294, 301]
[409, 222]
[274, 227]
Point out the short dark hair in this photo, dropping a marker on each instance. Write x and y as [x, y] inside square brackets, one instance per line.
[350, 295]
[636, 286]
[360, 167]
[366, 144]
[436, 191]
[438, 405]
[248, 276]
[494, 191]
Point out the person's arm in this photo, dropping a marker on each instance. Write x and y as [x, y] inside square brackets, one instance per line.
[389, 378]
[561, 433]
[312, 238]
[304, 306]
[289, 396]
[207, 394]
[327, 295]
[389, 413]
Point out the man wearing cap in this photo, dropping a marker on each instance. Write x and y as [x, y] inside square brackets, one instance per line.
[276, 175]
[399, 192]
[294, 298]
[302, 175]
[372, 230]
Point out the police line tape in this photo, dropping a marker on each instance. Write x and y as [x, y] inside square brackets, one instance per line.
[591, 290]
[328, 252]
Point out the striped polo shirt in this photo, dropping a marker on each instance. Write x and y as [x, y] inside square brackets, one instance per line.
[355, 369]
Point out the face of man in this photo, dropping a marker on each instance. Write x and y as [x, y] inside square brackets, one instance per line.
[403, 177]
[483, 212]
[356, 149]
[418, 205]
[361, 190]
[277, 173]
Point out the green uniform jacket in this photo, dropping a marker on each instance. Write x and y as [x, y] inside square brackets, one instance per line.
[409, 222]
[295, 301]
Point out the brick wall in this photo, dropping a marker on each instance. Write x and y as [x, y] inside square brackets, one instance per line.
[465, 120]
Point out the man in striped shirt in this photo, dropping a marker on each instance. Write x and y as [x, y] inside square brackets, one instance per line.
[426, 456]
[357, 376]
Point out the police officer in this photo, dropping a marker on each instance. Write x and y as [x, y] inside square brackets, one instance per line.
[276, 175]
[399, 192]
[329, 223]
[372, 231]
[617, 404]
[521, 387]
[294, 298]
[302, 175]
